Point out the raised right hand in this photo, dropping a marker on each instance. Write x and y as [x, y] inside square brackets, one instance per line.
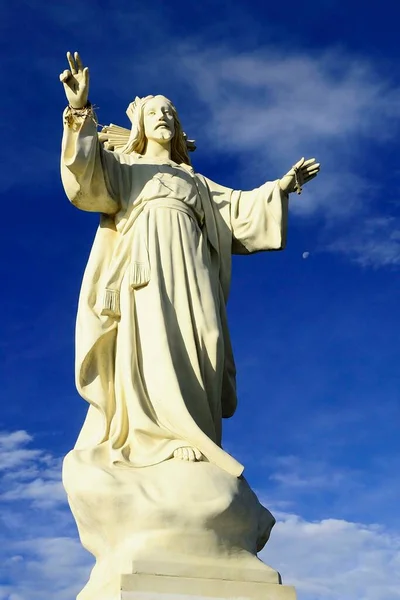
[76, 81]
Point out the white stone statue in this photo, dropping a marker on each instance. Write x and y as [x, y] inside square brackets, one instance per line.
[148, 475]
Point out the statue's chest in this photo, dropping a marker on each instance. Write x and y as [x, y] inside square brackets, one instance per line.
[167, 182]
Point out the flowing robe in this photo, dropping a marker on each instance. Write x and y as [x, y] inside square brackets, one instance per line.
[153, 353]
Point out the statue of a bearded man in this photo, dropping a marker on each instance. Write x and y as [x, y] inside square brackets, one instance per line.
[153, 352]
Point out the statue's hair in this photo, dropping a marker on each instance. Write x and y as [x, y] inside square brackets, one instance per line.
[137, 140]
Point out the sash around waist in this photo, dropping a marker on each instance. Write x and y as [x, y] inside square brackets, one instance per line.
[172, 203]
[133, 253]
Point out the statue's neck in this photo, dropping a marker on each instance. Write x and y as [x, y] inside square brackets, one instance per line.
[156, 150]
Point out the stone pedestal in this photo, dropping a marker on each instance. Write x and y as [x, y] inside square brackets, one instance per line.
[189, 581]
[205, 522]
[143, 586]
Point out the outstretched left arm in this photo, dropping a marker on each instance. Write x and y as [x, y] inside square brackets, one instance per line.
[259, 217]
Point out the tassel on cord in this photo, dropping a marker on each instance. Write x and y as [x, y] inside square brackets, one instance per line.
[140, 274]
[111, 307]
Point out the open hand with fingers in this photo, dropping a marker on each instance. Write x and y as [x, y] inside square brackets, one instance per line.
[302, 172]
[76, 81]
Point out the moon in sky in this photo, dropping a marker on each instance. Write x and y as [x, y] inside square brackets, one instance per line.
[305, 254]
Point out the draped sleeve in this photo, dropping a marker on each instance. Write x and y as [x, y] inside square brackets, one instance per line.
[259, 219]
[94, 179]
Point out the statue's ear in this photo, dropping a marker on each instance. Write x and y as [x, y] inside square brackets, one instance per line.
[114, 137]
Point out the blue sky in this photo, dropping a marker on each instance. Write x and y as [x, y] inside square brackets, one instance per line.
[316, 339]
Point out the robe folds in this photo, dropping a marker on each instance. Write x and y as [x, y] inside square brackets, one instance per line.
[153, 352]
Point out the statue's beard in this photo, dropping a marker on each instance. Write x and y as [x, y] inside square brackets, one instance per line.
[162, 134]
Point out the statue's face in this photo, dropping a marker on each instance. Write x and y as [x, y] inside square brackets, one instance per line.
[159, 120]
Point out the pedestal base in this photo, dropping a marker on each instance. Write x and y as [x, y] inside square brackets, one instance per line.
[207, 523]
[143, 586]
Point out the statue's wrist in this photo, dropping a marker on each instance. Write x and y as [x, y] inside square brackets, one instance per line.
[86, 106]
[74, 116]
[284, 188]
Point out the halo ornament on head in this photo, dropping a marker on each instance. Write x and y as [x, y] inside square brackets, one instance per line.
[125, 141]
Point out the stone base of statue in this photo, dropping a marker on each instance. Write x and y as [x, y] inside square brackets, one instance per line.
[172, 528]
[191, 583]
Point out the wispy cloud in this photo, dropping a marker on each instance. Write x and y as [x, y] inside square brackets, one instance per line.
[28, 473]
[40, 554]
[13, 451]
[334, 559]
[293, 472]
[270, 107]
[290, 99]
[374, 243]
[330, 484]
[43, 567]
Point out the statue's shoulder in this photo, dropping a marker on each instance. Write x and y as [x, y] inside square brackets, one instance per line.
[200, 179]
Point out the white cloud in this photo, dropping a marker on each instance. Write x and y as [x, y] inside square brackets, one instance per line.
[374, 243]
[13, 452]
[278, 102]
[44, 567]
[271, 107]
[316, 485]
[333, 559]
[309, 475]
[14, 439]
[254, 95]
[28, 473]
[40, 554]
[51, 566]
[43, 492]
